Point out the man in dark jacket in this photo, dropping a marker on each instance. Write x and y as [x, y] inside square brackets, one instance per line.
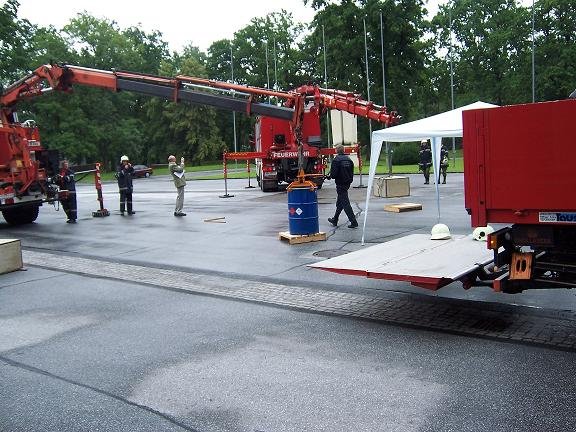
[425, 163]
[124, 176]
[342, 171]
[65, 181]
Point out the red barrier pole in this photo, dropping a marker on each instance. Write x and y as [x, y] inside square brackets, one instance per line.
[248, 169]
[360, 186]
[224, 166]
[98, 184]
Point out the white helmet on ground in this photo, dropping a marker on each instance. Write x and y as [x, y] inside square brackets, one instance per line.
[481, 233]
[124, 158]
[440, 232]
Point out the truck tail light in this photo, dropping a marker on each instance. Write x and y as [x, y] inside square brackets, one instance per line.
[492, 241]
[268, 168]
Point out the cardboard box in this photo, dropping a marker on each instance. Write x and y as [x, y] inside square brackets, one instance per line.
[390, 187]
[10, 255]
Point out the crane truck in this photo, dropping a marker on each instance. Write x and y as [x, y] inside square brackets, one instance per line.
[281, 129]
[518, 172]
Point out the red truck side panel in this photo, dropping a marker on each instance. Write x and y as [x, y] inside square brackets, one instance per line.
[520, 162]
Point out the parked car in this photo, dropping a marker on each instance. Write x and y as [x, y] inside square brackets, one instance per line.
[142, 171]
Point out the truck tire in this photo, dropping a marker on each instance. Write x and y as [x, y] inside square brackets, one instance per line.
[21, 215]
[269, 186]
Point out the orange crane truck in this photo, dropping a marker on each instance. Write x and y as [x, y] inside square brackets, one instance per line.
[281, 129]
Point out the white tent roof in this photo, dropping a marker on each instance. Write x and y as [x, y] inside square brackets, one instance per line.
[447, 124]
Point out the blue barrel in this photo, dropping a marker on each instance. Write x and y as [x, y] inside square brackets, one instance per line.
[303, 211]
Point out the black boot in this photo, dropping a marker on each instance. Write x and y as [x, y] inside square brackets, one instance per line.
[333, 221]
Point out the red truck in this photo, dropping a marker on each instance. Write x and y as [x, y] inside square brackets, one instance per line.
[518, 170]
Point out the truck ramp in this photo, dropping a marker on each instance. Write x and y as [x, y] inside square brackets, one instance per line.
[415, 258]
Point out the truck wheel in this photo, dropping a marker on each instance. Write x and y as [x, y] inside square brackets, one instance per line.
[269, 186]
[21, 215]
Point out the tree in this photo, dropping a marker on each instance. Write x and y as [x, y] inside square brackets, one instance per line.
[183, 129]
[404, 51]
[555, 49]
[489, 51]
[14, 43]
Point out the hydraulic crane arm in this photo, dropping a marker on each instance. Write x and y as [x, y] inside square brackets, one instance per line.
[349, 102]
[197, 91]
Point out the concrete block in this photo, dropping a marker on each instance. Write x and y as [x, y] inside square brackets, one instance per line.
[390, 187]
[10, 255]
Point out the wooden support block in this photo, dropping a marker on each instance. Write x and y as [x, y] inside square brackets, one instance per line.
[10, 255]
[404, 207]
[297, 239]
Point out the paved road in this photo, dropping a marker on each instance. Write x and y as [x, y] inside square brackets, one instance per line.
[159, 323]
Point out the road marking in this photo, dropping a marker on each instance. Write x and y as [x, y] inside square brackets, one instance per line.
[467, 318]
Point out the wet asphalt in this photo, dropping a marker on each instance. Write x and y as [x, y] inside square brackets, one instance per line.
[94, 353]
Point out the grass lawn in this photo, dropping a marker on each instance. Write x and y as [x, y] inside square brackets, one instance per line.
[381, 169]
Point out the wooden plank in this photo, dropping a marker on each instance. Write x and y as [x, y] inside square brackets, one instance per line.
[404, 207]
[10, 255]
[221, 219]
[297, 239]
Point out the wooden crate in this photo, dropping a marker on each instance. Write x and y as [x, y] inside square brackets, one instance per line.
[10, 255]
[297, 239]
[392, 186]
[404, 207]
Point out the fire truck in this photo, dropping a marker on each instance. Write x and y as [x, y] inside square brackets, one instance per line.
[286, 133]
[518, 172]
[281, 149]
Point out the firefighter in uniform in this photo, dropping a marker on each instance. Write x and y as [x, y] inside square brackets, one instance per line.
[124, 176]
[342, 171]
[425, 160]
[443, 164]
[67, 196]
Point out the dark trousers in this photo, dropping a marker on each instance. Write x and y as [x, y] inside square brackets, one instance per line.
[125, 200]
[69, 206]
[343, 203]
[426, 171]
[443, 171]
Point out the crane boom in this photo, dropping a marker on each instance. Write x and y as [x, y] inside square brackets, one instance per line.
[198, 91]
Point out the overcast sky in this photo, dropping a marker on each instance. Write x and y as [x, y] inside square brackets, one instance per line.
[199, 22]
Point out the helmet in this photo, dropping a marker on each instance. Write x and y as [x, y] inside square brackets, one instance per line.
[171, 158]
[481, 233]
[124, 158]
[440, 232]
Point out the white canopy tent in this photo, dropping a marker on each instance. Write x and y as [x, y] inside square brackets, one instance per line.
[447, 124]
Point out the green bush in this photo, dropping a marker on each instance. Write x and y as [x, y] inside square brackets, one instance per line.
[405, 153]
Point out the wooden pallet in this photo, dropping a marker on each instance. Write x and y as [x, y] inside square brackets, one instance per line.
[297, 239]
[404, 207]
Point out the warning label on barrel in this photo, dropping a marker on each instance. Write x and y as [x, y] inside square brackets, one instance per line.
[299, 211]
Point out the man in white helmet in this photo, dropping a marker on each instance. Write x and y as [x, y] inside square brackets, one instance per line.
[179, 178]
[124, 176]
